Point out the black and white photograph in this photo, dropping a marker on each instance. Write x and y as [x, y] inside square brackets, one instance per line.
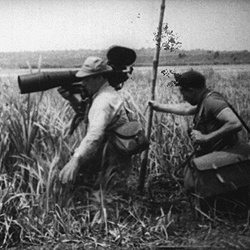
[125, 124]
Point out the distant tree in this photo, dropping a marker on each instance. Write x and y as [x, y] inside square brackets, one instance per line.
[216, 54]
[182, 55]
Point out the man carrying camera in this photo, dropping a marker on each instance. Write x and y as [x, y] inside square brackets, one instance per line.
[107, 111]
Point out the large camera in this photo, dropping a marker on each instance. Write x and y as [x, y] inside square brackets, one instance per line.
[119, 58]
[45, 80]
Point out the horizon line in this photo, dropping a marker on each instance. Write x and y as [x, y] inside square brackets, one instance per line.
[142, 48]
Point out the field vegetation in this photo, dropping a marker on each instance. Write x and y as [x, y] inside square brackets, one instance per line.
[36, 213]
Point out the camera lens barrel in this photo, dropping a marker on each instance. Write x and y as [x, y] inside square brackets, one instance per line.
[46, 80]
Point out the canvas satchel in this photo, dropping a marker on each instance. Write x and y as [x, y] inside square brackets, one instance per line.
[129, 139]
[219, 172]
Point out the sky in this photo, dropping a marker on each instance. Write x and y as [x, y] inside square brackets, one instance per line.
[37, 25]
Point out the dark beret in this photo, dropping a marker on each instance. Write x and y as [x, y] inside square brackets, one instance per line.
[191, 79]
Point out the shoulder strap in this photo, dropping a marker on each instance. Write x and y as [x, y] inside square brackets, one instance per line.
[201, 109]
[116, 118]
[236, 113]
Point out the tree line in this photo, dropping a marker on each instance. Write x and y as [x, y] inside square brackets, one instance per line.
[74, 58]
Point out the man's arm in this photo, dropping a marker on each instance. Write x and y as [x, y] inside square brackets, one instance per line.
[177, 109]
[231, 125]
[100, 115]
[87, 148]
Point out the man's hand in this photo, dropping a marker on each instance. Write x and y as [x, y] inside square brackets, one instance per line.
[69, 171]
[153, 104]
[198, 137]
[68, 91]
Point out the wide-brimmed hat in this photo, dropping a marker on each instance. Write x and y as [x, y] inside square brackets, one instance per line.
[93, 65]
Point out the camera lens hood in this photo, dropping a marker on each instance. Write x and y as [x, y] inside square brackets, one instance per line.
[118, 55]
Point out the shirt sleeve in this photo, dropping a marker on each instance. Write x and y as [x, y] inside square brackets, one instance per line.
[101, 114]
[215, 104]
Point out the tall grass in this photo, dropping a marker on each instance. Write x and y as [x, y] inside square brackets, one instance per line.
[170, 141]
[35, 144]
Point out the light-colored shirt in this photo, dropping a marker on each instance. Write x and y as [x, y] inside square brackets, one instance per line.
[107, 109]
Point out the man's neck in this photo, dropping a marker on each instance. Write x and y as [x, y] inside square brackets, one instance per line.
[104, 85]
[201, 95]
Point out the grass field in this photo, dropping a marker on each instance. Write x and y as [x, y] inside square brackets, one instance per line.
[34, 144]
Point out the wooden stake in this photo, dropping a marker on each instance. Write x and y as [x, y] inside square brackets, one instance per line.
[144, 156]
